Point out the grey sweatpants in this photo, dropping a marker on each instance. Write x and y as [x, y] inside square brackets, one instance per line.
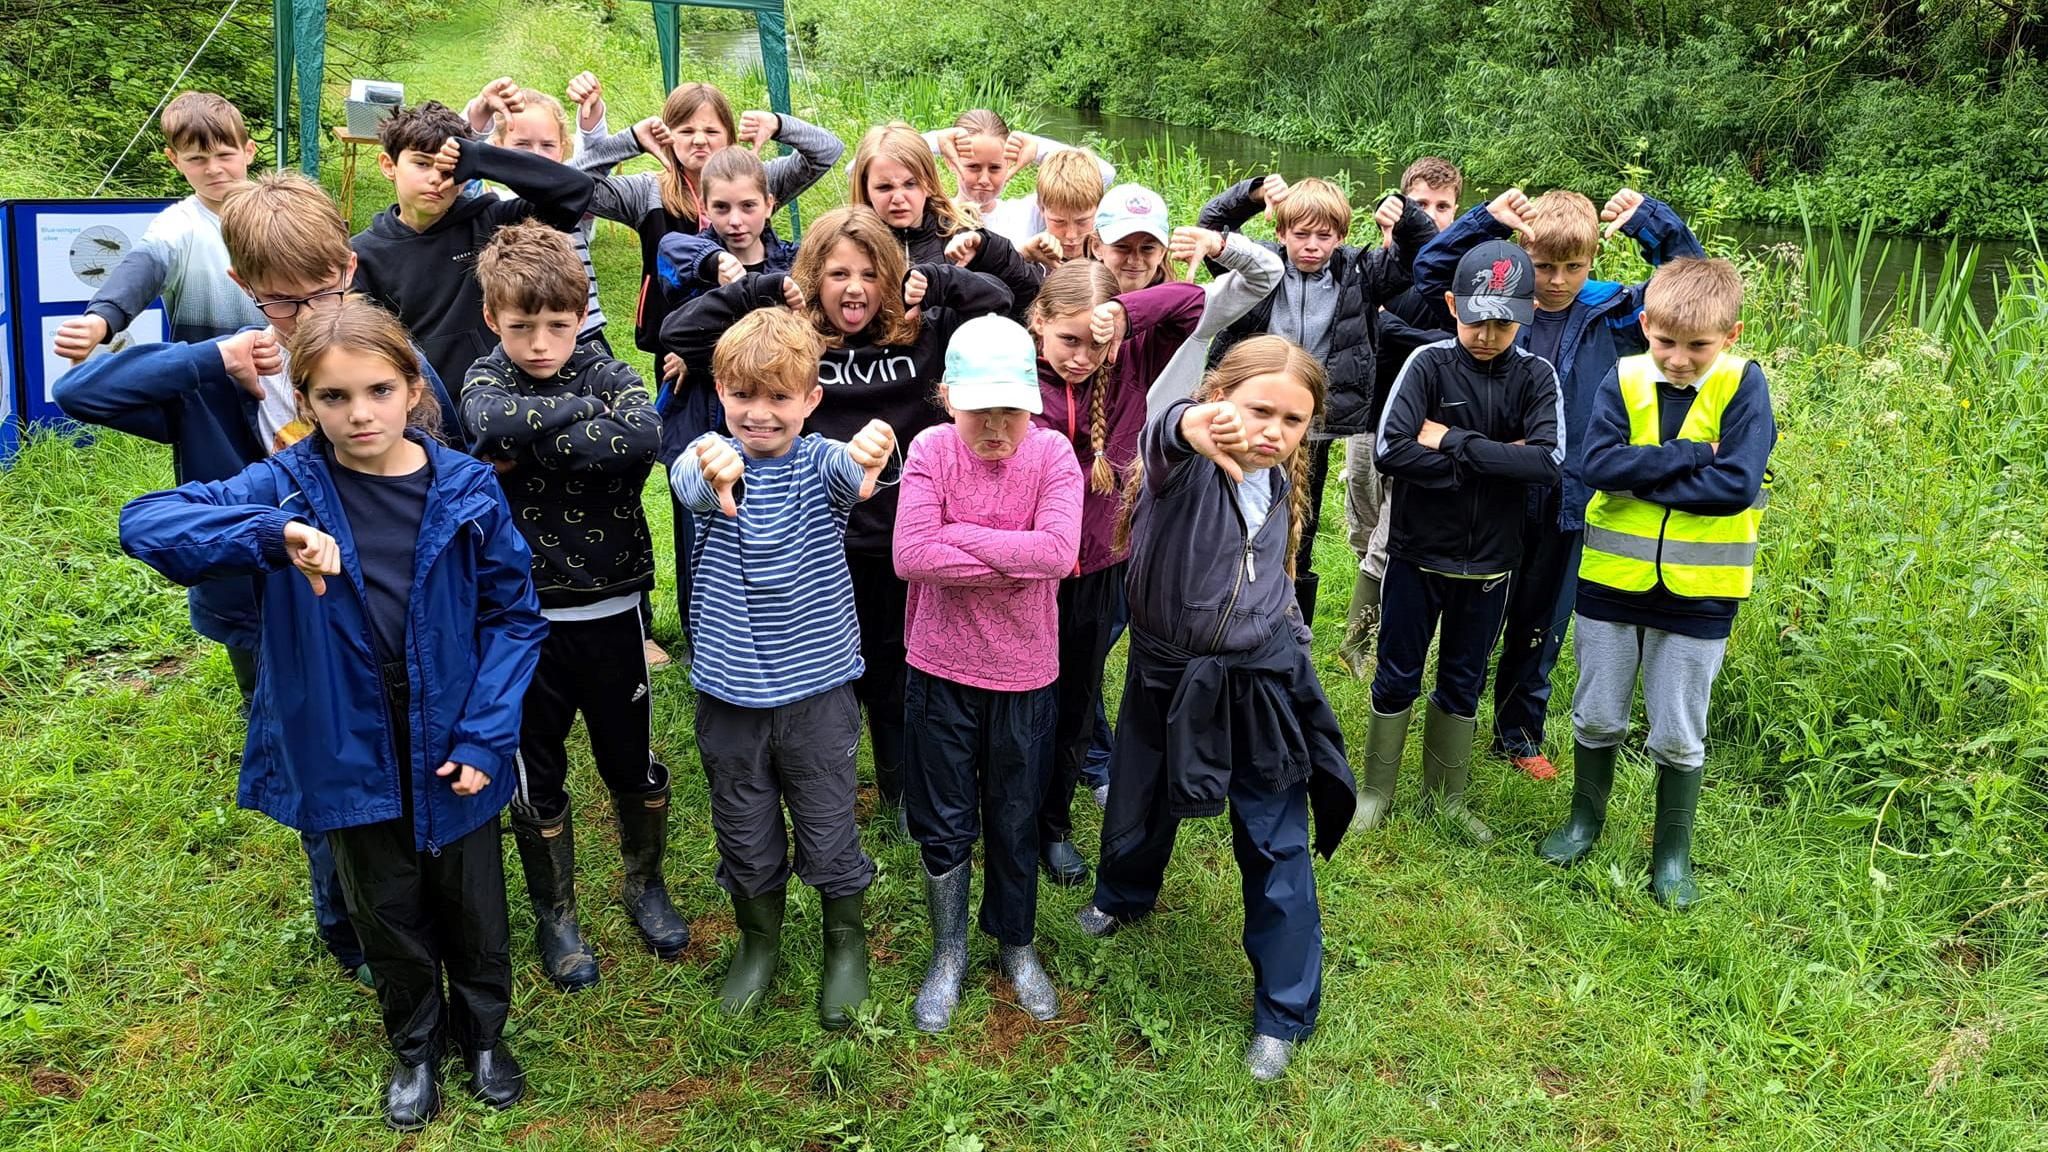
[1363, 494]
[800, 756]
[1678, 676]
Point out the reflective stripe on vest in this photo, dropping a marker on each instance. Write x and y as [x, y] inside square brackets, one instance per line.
[1633, 544]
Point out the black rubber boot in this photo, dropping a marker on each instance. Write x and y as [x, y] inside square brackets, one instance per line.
[1386, 738]
[643, 839]
[1305, 588]
[413, 1095]
[1447, 769]
[890, 814]
[1592, 782]
[547, 853]
[1062, 864]
[496, 1077]
[1678, 798]
[843, 983]
[759, 920]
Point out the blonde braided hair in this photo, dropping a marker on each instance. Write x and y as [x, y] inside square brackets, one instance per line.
[1255, 356]
[1079, 286]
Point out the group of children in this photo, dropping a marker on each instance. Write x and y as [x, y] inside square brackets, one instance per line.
[929, 464]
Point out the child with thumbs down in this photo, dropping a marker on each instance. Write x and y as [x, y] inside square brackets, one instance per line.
[777, 649]
[225, 404]
[573, 434]
[398, 634]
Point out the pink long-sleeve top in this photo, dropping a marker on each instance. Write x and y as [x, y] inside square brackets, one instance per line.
[984, 545]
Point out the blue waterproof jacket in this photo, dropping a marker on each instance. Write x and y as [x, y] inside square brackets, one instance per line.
[320, 754]
[182, 395]
[1605, 323]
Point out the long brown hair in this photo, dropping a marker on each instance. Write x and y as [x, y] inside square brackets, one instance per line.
[359, 326]
[1078, 286]
[677, 195]
[1254, 356]
[900, 142]
[870, 233]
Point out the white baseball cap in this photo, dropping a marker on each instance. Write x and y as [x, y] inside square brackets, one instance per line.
[991, 362]
[1129, 208]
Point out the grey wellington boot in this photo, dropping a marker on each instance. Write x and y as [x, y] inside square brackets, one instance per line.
[946, 897]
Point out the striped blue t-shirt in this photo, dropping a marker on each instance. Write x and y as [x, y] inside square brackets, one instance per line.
[771, 601]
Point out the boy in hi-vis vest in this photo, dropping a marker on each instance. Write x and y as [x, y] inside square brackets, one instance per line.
[1677, 456]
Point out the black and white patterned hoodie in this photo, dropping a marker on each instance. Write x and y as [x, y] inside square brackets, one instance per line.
[573, 452]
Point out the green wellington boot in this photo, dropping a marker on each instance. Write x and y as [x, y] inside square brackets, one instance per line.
[1361, 626]
[1447, 768]
[1385, 739]
[1592, 782]
[844, 982]
[1678, 797]
[759, 920]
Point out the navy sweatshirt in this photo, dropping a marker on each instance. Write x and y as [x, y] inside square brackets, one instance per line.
[1683, 475]
[428, 279]
[1458, 509]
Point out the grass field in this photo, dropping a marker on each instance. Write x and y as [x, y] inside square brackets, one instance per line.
[1866, 972]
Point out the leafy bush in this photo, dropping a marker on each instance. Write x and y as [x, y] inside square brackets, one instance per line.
[1927, 118]
[83, 75]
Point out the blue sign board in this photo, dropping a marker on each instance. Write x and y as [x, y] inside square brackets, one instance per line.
[54, 254]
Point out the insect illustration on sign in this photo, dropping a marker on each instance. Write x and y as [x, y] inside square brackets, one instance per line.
[95, 251]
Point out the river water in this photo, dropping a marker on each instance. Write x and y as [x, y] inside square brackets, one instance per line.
[1235, 155]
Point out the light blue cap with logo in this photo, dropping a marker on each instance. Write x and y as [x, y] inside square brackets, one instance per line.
[991, 362]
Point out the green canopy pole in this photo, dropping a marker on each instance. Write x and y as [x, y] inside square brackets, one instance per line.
[309, 46]
[668, 41]
[770, 26]
[281, 37]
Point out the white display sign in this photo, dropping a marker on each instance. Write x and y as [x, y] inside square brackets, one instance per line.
[76, 253]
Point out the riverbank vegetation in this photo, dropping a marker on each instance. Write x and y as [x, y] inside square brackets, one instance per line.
[1927, 116]
[1867, 970]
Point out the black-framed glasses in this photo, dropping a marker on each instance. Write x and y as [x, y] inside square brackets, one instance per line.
[286, 309]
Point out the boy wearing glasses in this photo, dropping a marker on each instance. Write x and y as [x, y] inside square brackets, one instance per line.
[225, 404]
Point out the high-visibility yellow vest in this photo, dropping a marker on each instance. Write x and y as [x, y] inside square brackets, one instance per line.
[1633, 544]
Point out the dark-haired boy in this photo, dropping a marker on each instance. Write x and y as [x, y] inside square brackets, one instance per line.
[418, 257]
[1470, 424]
[1582, 327]
[574, 434]
[1405, 323]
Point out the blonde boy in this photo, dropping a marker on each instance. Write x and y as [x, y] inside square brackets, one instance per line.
[1069, 191]
[1677, 453]
[1582, 326]
[776, 651]
[180, 256]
